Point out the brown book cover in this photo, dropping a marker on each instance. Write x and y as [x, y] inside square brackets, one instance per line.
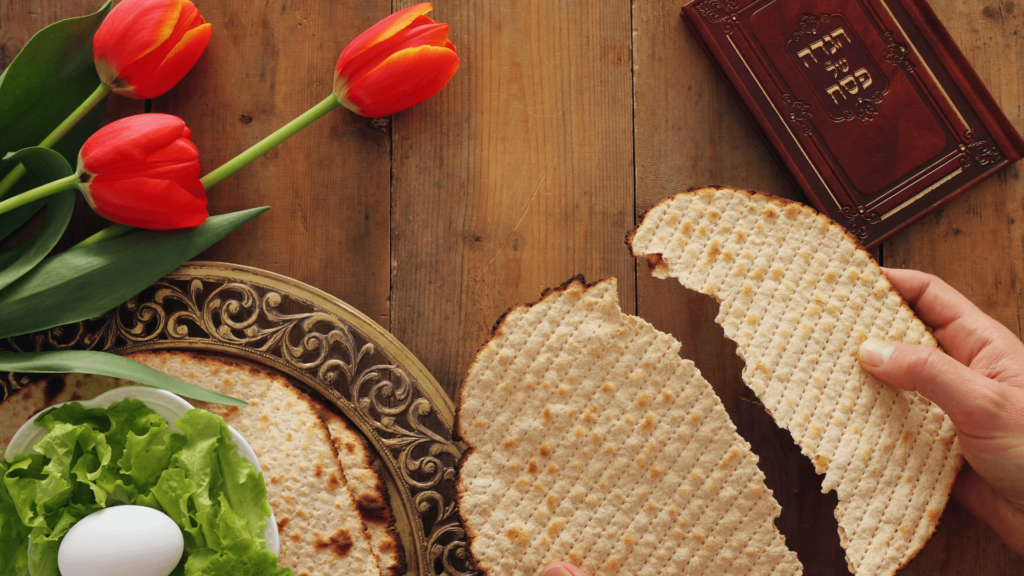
[869, 103]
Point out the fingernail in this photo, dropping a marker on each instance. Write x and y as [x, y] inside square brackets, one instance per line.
[555, 570]
[875, 352]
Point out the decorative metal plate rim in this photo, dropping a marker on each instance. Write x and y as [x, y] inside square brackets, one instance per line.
[329, 347]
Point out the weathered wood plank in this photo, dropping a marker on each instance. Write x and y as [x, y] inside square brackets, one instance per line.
[20, 19]
[516, 176]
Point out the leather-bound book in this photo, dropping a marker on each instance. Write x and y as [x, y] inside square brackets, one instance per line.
[869, 103]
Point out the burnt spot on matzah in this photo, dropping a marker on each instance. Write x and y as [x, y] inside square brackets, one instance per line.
[373, 508]
[340, 543]
[54, 386]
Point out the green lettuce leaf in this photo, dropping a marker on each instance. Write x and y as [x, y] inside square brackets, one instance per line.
[198, 460]
[14, 556]
[13, 533]
[42, 559]
[242, 490]
[240, 557]
[171, 495]
[147, 456]
[21, 480]
[74, 414]
[126, 454]
[69, 467]
[226, 526]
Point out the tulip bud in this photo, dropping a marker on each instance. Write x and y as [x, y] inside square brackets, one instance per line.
[144, 47]
[143, 171]
[399, 62]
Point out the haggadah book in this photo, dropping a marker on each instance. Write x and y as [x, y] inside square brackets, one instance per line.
[870, 105]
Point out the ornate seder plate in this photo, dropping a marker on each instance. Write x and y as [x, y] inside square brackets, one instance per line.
[324, 345]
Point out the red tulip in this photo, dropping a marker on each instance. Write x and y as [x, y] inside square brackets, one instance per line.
[143, 171]
[144, 47]
[399, 62]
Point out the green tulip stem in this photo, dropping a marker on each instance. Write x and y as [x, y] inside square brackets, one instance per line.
[268, 143]
[236, 163]
[84, 108]
[66, 183]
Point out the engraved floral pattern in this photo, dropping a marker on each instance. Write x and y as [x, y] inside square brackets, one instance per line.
[865, 108]
[317, 346]
[982, 152]
[858, 221]
[896, 53]
[799, 112]
[719, 12]
[809, 25]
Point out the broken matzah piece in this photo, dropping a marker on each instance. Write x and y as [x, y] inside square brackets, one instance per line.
[593, 441]
[798, 295]
[367, 488]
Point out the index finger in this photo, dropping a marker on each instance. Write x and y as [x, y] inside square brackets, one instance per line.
[962, 328]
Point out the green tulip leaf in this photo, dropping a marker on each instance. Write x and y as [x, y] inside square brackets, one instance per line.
[84, 282]
[47, 166]
[11, 221]
[106, 364]
[45, 83]
[44, 163]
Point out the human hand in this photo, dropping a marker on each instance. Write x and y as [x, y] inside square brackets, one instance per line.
[979, 384]
[562, 569]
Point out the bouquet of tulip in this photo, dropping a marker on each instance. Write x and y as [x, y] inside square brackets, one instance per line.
[143, 172]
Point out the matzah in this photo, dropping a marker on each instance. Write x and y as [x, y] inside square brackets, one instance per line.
[798, 295]
[319, 519]
[367, 490]
[592, 441]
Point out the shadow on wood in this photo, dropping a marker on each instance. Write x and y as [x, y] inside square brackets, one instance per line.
[807, 521]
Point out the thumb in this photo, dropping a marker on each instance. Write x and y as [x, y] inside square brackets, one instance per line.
[562, 569]
[971, 400]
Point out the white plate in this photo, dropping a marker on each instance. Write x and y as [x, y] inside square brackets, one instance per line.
[168, 406]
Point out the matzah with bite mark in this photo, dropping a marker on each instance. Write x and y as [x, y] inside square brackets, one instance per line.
[798, 295]
[592, 441]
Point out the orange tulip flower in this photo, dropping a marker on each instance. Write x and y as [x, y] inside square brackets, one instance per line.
[144, 47]
[399, 62]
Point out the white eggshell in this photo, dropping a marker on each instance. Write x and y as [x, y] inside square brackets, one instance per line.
[128, 540]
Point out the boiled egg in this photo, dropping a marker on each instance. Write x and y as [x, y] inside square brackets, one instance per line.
[128, 540]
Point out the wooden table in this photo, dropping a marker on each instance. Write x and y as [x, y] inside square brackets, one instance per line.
[565, 122]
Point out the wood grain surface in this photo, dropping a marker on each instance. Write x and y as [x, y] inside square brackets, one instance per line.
[566, 121]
